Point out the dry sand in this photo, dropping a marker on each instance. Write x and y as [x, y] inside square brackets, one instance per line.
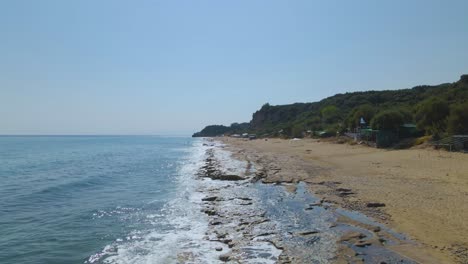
[425, 191]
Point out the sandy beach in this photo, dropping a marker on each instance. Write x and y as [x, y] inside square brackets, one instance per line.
[422, 193]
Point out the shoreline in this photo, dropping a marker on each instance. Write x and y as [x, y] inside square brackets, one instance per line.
[254, 212]
[406, 190]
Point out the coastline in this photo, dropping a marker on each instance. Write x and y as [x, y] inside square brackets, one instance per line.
[257, 214]
[418, 192]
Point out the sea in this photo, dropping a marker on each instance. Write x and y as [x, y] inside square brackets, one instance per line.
[101, 199]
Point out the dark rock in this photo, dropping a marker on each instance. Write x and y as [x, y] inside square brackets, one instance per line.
[225, 257]
[345, 193]
[343, 190]
[375, 205]
[362, 243]
[210, 199]
[219, 249]
[230, 178]
[210, 212]
[226, 241]
[305, 233]
[276, 244]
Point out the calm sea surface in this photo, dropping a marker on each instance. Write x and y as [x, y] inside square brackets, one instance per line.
[98, 199]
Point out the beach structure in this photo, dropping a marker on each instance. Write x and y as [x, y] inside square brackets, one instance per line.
[460, 142]
[453, 143]
[385, 137]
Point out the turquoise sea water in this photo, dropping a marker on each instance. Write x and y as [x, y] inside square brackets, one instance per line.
[93, 199]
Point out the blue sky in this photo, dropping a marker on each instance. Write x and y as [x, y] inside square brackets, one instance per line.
[172, 67]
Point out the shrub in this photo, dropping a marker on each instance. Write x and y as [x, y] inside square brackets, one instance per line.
[458, 119]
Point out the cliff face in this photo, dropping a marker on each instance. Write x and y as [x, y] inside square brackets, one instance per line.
[464, 79]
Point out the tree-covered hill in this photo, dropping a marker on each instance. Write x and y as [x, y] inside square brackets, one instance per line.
[435, 109]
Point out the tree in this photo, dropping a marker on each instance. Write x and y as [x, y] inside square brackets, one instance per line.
[363, 111]
[265, 106]
[458, 119]
[389, 120]
[431, 115]
[329, 114]
[297, 131]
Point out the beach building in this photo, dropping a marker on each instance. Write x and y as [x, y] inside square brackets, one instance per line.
[386, 138]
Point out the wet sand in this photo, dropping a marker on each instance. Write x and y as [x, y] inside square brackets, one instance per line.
[419, 192]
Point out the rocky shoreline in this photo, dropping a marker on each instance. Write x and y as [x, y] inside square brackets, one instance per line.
[256, 216]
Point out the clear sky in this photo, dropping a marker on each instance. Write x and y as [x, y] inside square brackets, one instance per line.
[165, 67]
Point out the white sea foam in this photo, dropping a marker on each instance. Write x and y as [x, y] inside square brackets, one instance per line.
[183, 238]
[184, 241]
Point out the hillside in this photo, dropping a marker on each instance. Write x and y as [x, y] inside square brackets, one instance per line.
[436, 109]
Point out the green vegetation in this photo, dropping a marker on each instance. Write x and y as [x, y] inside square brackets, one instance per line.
[437, 110]
[365, 112]
[217, 130]
[432, 115]
[390, 119]
[458, 119]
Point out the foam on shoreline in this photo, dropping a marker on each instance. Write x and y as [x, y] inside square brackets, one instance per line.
[242, 220]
